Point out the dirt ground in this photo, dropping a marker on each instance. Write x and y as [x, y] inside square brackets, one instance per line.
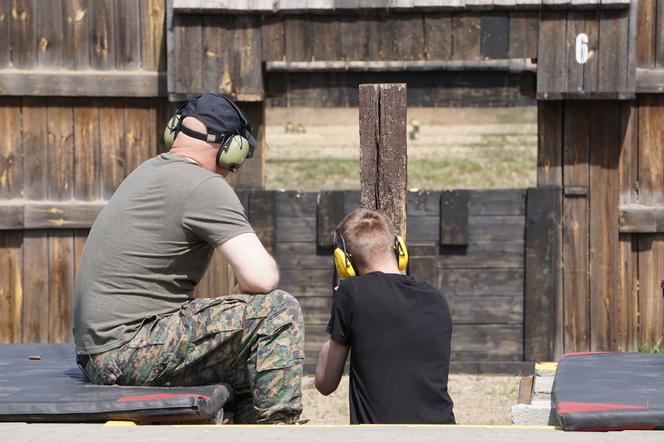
[478, 400]
[455, 148]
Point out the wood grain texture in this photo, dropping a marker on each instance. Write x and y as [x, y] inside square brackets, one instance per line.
[482, 282]
[76, 34]
[23, 37]
[11, 154]
[35, 130]
[111, 146]
[552, 55]
[49, 28]
[36, 303]
[437, 36]
[549, 143]
[60, 149]
[576, 296]
[188, 52]
[523, 34]
[5, 52]
[273, 38]
[646, 35]
[86, 149]
[651, 192]
[11, 289]
[543, 272]
[102, 34]
[153, 34]
[138, 147]
[466, 37]
[61, 285]
[454, 206]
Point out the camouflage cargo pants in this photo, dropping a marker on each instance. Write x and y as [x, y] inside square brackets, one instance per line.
[252, 342]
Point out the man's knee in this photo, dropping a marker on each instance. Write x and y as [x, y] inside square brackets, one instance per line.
[282, 302]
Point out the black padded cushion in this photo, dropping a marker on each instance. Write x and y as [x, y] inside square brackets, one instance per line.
[53, 389]
[609, 391]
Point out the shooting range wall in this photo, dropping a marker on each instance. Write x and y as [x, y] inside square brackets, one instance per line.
[87, 86]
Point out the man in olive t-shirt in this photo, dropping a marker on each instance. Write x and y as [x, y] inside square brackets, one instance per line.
[135, 319]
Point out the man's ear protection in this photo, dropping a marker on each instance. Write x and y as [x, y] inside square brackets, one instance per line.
[344, 263]
[234, 147]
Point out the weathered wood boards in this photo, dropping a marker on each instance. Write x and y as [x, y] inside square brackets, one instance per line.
[585, 55]
[83, 48]
[383, 157]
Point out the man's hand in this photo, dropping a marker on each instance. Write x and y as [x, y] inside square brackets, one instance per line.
[330, 367]
[254, 268]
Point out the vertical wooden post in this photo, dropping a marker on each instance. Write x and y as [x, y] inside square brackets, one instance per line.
[383, 158]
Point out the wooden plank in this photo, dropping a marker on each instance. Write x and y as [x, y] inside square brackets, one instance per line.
[60, 149]
[329, 214]
[483, 255]
[82, 83]
[49, 27]
[383, 150]
[510, 65]
[495, 228]
[316, 309]
[5, 52]
[102, 34]
[613, 63]
[525, 390]
[111, 146]
[490, 339]
[23, 40]
[637, 218]
[252, 174]
[302, 255]
[492, 310]
[273, 38]
[11, 153]
[495, 31]
[291, 203]
[424, 229]
[393, 44]
[423, 268]
[549, 143]
[61, 285]
[76, 35]
[136, 134]
[493, 202]
[482, 282]
[35, 130]
[423, 203]
[297, 35]
[646, 36]
[437, 36]
[189, 53]
[466, 37]
[523, 34]
[543, 272]
[218, 61]
[354, 37]
[296, 229]
[263, 218]
[651, 192]
[579, 76]
[248, 73]
[310, 283]
[552, 55]
[576, 296]
[326, 40]
[36, 303]
[454, 205]
[86, 149]
[628, 309]
[11, 289]
[152, 37]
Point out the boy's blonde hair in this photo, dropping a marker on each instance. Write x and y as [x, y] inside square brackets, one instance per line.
[367, 234]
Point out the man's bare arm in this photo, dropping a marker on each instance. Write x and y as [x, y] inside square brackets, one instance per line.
[254, 268]
[330, 368]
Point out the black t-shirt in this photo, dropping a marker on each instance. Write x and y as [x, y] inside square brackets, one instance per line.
[399, 331]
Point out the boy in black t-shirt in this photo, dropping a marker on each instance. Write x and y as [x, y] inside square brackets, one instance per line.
[398, 328]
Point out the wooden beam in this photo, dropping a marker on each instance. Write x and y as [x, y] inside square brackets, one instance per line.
[17, 215]
[636, 218]
[510, 65]
[383, 158]
[17, 82]
[543, 270]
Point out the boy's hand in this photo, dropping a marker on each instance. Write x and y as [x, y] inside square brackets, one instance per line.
[330, 367]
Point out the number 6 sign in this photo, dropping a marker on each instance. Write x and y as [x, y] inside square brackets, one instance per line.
[582, 48]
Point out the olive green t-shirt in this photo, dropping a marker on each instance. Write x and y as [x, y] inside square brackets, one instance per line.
[149, 247]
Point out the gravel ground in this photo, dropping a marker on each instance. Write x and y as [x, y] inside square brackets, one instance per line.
[478, 400]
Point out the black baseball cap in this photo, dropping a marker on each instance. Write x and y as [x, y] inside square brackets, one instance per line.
[220, 115]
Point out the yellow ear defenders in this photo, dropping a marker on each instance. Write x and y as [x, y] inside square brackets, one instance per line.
[344, 263]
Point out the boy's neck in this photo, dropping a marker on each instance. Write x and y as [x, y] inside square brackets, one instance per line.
[386, 266]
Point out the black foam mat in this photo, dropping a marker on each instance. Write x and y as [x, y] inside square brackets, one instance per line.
[42, 383]
[610, 391]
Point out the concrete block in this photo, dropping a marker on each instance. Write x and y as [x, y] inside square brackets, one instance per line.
[537, 413]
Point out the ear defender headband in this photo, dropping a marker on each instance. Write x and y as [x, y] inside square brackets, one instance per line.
[344, 263]
[234, 147]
